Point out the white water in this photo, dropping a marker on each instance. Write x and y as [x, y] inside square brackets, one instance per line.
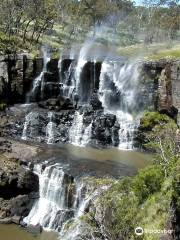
[51, 199]
[86, 135]
[78, 134]
[69, 88]
[75, 132]
[26, 124]
[39, 81]
[50, 129]
[125, 79]
[30, 119]
[51, 209]
[82, 60]
[81, 63]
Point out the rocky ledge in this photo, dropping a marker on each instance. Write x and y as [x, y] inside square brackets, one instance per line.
[18, 185]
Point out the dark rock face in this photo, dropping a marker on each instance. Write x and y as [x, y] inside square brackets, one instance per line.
[57, 104]
[16, 76]
[18, 182]
[89, 80]
[166, 76]
[95, 102]
[17, 73]
[105, 128]
[18, 190]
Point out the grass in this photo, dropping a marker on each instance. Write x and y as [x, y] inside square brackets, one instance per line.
[174, 52]
[15, 44]
[59, 38]
[153, 51]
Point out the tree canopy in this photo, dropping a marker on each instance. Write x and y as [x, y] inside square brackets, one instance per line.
[31, 19]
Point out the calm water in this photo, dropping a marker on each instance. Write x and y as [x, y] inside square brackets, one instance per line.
[110, 162]
[13, 232]
[97, 162]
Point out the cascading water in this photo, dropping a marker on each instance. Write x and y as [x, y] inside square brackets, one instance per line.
[47, 209]
[79, 135]
[75, 132]
[30, 124]
[68, 85]
[79, 68]
[39, 81]
[86, 135]
[117, 91]
[56, 205]
[82, 60]
[50, 129]
[28, 118]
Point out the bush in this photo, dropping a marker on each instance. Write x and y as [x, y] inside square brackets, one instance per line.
[151, 119]
[147, 182]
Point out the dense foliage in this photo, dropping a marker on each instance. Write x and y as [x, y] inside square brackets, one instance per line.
[29, 20]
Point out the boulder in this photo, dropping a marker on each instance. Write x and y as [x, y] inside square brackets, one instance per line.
[34, 229]
[16, 219]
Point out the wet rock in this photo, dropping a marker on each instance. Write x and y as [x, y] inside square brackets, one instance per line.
[95, 102]
[16, 76]
[103, 131]
[34, 229]
[61, 217]
[16, 219]
[57, 104]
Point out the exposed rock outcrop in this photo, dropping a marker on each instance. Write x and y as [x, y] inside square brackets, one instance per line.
[166, 76]
[16, 76]
[18, 186]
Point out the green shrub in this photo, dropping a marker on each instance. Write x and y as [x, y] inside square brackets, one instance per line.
[147, 182]
[151, 119]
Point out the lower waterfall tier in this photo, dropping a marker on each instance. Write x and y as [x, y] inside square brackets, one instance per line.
[63, 200]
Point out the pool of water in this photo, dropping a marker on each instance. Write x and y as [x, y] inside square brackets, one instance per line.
[14, 232]
[110, 162]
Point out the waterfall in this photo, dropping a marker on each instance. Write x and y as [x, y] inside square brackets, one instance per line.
[81, 63]
[39, 80]
[79, 135]
[68, 88]
[117, 92]
[50, 129]
[75, 132]
[82, 60]
[49, 209]
[30, 124]
[86, 135]
[61, 199]
[26, 124]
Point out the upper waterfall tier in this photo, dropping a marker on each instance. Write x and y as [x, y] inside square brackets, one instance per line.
[86, 102]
